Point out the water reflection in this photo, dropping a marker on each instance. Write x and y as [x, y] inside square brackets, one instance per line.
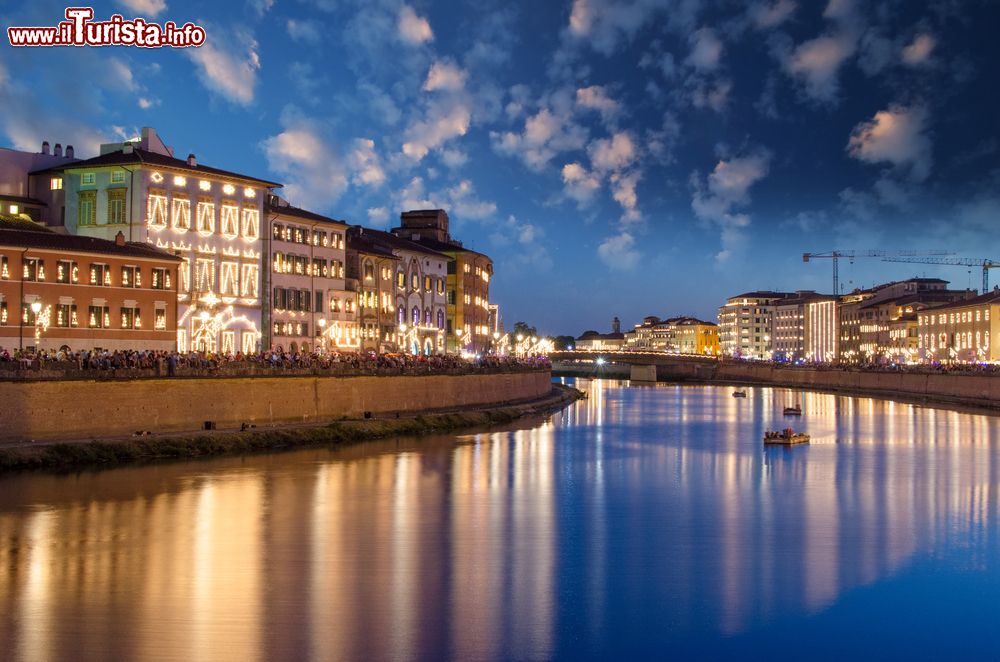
[640, 517]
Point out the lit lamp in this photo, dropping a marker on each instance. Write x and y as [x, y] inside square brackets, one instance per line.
[322, 334]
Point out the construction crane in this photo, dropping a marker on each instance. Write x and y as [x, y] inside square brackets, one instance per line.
[851, 255]
[984, 264]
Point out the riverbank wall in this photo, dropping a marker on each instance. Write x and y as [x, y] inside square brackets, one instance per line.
[52, 410]
[963, 389]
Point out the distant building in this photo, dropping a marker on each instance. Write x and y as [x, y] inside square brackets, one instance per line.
[371, 275]
[804, 328]
[38, 197]
[964, 331]
[89, 293]
[869, 328]
[467, 325]
[689, 335]
[594, 341]
[745, 323]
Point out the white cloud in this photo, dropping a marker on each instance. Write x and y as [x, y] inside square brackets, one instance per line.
[365, 165]
[228, 66]
[315, 177]
[726, 189]
[816, 63]
[381, 103]
[144, 7]
[378, 216]
[146, 103]
[604, 24]
[413, 29]
[454, 158]
[444, 75]
[460, 200]
[613, 154]
[596, 98]
[121, 71]
[767, 15]
[579, 184]
[839, 10]
[260, 7]
[919, 51]
[714, 95]
[527, 240]
[444, 121]
[303, 30]
[897, 136]
[548, 132]
[618, 252]
[623, 191]
[706, 50]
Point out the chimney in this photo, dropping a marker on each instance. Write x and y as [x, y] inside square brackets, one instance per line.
[192, 161]
[58, 150]
[119, 239]
[69, 151]
[45, 147]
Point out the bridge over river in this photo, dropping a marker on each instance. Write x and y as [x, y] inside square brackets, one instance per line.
[637, 366]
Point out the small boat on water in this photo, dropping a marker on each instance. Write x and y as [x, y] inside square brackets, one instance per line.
[786, 437]
[793, 411]
[739, 394]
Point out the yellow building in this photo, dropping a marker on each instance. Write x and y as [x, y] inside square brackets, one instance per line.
[694, 336]
[966, 331]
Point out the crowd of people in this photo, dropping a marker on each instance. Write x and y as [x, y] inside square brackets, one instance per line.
[167, 363]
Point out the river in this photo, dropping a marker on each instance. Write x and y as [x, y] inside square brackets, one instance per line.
[645, 522]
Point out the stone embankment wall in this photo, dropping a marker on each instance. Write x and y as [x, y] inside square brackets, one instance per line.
[90, 409]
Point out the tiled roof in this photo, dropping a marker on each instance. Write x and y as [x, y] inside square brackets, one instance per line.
[441, 246]
[51, 241]
[23, 200]
[11, 222]
[990, 297]
[144, 157]
[288, 210]
[391, 240]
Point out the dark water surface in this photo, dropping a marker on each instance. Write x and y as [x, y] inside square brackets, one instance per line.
[642, 523]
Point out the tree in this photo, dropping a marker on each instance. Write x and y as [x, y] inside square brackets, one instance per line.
[522, 328]
[564, 342]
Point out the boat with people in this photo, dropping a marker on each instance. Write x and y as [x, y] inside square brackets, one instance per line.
[739, 394]
[795, 410]
[786, 437]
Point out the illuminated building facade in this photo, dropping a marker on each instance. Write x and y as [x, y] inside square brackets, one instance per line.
[59, 290]
[965, 331]
[209, 217]
[745, 324]
[418, 293]
[310, 306]
[804, 328]
[371, 272]
[39, 198]
[468, 280]
[694, 336]
[869, 319]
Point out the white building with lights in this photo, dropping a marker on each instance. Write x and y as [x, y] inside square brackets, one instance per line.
[211, 218]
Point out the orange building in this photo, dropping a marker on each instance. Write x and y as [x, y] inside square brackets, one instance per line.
[81, 292]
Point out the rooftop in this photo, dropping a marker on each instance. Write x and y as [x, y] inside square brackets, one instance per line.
[137, 156]
[42, 239]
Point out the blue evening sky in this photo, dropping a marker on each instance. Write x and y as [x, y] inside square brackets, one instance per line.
[614, 157]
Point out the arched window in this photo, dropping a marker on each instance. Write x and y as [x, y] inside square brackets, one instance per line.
[440, 317]
[401, 314]
[415, 315]
[427, 317]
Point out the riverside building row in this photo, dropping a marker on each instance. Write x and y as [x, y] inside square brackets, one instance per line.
[213, 260]
[912, 321]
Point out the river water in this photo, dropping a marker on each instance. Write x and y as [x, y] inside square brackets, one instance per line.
[645, 522]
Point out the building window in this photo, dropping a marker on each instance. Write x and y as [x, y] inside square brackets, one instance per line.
[131, 277]
[204, 275]
[55, 184]
[156, 209]
[87, 208]
[99, 317]
[414, 282]
[440, 319]
[319, 301]
[427, 283]
[32, 269]
[100, 274]
[250, 273]
[276, 232]
[228, 342]
[206, 215]
[415, 316]
[88, 179]
[4, 267]
[67, 272]
[229, 279]
[249, 340]
[400, 279]
[184, 275]
[230, 220]
[181, 216]
[130, 318]
[161, 279]
[117, 176]
[251, 223]
[369, 271]
[160, 319]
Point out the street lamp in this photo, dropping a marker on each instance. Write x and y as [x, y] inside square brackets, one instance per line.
[322, 335]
